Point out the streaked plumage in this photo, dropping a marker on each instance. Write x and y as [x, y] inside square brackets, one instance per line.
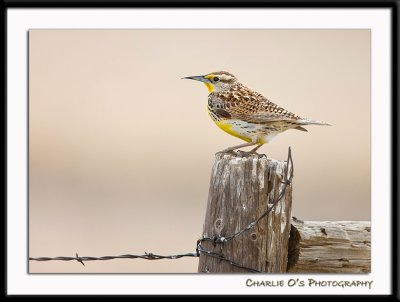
[245, 113]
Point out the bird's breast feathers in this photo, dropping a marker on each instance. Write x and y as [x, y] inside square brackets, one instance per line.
[246, 131]
[234, 129]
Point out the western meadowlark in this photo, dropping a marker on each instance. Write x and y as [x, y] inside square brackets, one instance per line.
[246, 114]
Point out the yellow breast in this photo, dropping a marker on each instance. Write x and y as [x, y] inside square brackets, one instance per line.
[240, 129]
[228, 128]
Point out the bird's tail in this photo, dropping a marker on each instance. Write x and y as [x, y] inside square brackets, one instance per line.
[311, 122]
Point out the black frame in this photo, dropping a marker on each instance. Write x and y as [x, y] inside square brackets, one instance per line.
[391, 4]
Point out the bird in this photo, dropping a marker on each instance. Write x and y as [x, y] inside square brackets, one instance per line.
[245, 113]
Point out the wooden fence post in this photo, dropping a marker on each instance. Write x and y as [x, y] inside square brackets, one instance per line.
[330, 247]
[242, 187]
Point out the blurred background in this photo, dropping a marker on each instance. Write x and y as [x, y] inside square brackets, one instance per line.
[121, 149]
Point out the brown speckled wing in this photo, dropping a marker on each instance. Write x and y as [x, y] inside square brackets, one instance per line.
[243, 104]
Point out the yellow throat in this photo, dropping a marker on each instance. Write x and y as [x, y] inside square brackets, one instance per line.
[210, 87]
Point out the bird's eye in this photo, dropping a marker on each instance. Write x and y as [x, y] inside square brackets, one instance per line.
[216, 79]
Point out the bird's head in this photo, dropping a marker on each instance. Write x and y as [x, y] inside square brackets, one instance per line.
[216, 81]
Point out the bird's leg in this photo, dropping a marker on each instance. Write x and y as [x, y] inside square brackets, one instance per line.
[256, 148]
[238, 146]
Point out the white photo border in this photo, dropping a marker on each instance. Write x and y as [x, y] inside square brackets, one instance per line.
[20, 20]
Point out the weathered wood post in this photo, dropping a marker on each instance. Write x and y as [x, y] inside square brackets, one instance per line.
[330, 247]
[242, 187]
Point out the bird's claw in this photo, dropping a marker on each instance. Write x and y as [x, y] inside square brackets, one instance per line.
[226, 151]
[238, 152]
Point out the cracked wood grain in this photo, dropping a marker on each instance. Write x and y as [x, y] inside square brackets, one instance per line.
[330, 247]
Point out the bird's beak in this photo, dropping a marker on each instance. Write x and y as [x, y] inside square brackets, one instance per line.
[198, 78]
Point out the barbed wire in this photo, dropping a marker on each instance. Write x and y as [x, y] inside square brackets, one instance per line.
[146, 256]
[199, 248]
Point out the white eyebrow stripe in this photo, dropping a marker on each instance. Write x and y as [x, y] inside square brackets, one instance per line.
[225, 77]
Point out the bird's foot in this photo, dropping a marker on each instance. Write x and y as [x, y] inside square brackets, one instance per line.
[241, 153]
[245, 153]
[235, 153]
[226, 151]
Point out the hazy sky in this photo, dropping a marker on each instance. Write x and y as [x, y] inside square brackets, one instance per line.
[121, 148]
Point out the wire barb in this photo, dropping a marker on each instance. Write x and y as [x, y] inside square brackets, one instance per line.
[79, 259]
